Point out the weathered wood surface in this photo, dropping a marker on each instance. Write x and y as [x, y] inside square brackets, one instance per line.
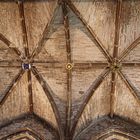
[100, 42]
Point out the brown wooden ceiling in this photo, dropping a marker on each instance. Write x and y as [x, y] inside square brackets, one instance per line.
[70, 69]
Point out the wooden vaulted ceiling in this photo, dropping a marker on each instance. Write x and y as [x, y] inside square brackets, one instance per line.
[69, 69]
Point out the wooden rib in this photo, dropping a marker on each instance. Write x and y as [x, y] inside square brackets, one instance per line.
[89, 65]
[12, 85]
[90, 30]
[10, 63]
[9, 44]
[30, 92]
[89, 94]
[45, 34]
[115, 55]
[130, 64]
[129, 49]
[69, 73]
[23, 26]
[117, 28]
[112, 97]
[134, 91]
[48, 91]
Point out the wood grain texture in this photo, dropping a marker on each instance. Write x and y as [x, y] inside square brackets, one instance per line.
[102, 19]
[31, 125]
[97, 106]
[17, 103]
[37, 16]
[85, 44]
[129, 30]
[55, 46]
[123, 96]
[41, 103]
[10, 24]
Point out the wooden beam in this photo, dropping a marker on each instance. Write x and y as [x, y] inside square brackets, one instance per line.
[130, 64]
[95, 39]
[89, 94]
[23, 27]
[117, 28]
[11, 86]
[115, 55]
[112, 96]
[48, 91]
[129, 49]
[30, 92]
[45, 35]
[134, 91]
[69, 73]
[9, 44]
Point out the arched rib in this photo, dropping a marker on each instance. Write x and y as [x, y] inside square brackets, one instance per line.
[30, 91]
[117, 28]
[95, 39]
[134, 91]
[11, 86]
[69, 73]
[129, 49]
[45, 34]
[23, 27]
[89, 94]
[113, 85]
[9, 44]
[48, 91]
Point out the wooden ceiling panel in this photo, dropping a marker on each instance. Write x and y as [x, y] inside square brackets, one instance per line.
[102, 19]
[134, 55]
[82, 41]
[38, 16]
[10, 24]
[41, 104]
[17, 102]
[81, 81]
[56, 78]
[130, 20]
[7, 79]
[126, 104]
[97, 106]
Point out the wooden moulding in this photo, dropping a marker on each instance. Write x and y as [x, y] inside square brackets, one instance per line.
[89, 94]
[105, 126]
[49, 94]
[32, 124]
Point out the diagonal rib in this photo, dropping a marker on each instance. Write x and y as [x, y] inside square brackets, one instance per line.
[48, 91]
[134, 91]
[12, 85]
[95, 39]
[45, 35]
[89, 94]
[129, 49]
